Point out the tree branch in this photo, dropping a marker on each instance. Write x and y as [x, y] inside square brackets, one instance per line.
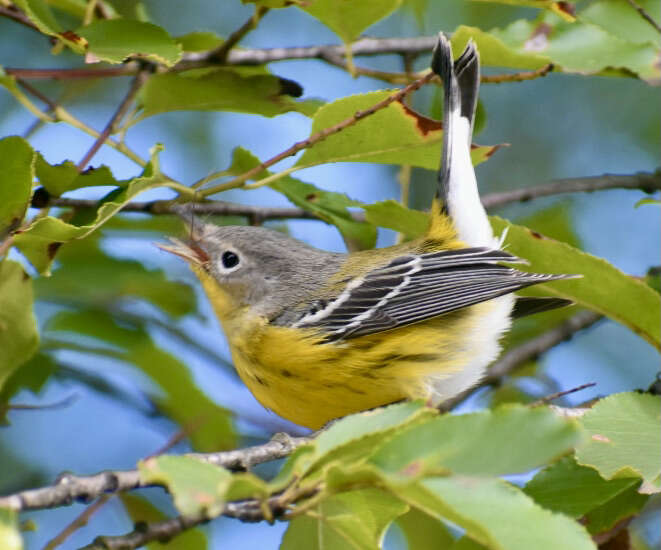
[645, 181]
[219, 55]
[69, 488]
[117, 116]
[12, 12]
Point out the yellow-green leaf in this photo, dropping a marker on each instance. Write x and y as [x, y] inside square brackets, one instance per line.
[18, 326]
[625, 438]
[16, 175]
[113, 40]
[411, 139]
[603, 287]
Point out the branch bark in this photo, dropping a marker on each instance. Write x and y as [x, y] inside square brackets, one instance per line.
[645, 181]
[69, 488]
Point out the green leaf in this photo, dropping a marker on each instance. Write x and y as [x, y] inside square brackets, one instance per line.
[113, 40]
[349, 19]
[626, 504]
[603, 287]
[10, 537]
[622, 20]
[16, 175]
[411, 139]
[329, 206]
[40, 241]
[513, 437]
[221, 90]
[495, 514]
[495, 51]
[18, 327]
[423, 532]
[31, 375]
[563, 9]
[625, 438]
[40, 14]
[89, 277]
[394, 215]
[573, 489]
[580, 47]
[60, 178]
[208, 425]
[355, 520]
[140, 510]
[353, 437]
[199, 41]
[197, 487]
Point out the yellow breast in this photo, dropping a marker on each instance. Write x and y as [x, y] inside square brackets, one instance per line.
[300, 377]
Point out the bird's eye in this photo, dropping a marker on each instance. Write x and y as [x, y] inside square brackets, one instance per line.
[229, 259]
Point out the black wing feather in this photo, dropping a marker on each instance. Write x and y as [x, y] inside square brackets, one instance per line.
[413, 288]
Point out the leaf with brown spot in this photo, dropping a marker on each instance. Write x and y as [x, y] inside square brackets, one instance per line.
[410, 139]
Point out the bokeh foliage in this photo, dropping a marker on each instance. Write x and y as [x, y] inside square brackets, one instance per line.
[403, 465]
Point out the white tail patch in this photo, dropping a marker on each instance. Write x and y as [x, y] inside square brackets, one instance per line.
[464, 205]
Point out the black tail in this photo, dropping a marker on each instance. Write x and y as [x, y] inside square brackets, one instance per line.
[461, 82]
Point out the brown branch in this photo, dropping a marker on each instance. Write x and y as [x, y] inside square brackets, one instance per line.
[646, 16]
[69, 487]
[533, 348]
[146, 532]
[79, 521]
[129, 69]
[219, 55]
[12, 12]
[36, 93]
[117, 116]
[243, 56]
[645, 181]
[319, 136]
[220, 208]
[517, 77]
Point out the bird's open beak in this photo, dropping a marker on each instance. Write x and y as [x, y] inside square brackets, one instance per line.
[191, 252]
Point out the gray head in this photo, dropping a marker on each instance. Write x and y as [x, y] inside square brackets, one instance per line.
[259, 267]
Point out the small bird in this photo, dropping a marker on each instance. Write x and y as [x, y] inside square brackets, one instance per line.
[317, 335]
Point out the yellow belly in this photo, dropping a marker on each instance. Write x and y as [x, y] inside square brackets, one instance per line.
[310, 383]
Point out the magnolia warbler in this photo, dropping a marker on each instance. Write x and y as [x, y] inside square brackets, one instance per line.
[317, 335]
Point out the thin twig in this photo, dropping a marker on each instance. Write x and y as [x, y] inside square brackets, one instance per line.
[69, 487]
[517, 77]
[557, 395]
[161, 531]
[645, 181]
[36, 93]
[129, 69]
[219, 55]
[220, 208]
[528, 351]
[319, 136]
[79, 521]
[646, 16]
[250, 511]
[17, 15]
[117, 116]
